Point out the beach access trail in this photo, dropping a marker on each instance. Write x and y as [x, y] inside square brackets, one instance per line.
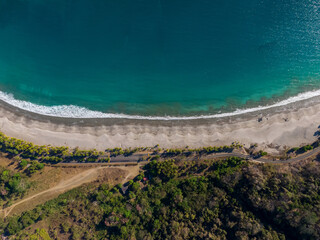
[92, 174]
[86, 176]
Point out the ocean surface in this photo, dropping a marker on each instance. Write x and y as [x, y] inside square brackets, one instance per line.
[158, 58]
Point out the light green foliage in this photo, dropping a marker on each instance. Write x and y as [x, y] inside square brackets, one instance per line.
[28, 151]
[40, 235]
[34, 167]
[126, 152]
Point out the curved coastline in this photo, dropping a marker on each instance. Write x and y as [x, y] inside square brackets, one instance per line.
[272, 127]
[71, 111]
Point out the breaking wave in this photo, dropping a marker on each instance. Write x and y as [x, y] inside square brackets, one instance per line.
[71, 111]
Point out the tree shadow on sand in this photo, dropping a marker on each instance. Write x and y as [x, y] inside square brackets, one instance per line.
[317, 133]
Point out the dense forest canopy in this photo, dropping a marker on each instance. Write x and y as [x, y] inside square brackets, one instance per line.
[225, 199]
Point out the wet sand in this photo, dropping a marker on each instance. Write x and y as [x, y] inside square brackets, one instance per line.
[277, 128]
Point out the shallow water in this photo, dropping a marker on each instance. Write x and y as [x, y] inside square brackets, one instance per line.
[157, 57]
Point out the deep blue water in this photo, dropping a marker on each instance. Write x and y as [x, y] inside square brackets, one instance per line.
[159, 57]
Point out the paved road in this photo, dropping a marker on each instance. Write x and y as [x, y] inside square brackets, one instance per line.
[300, 157]
[140, 158]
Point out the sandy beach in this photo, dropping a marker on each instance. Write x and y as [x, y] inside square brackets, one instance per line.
[276, 128]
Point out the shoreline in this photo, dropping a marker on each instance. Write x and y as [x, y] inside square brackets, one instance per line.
[273, 129]
[77, 112]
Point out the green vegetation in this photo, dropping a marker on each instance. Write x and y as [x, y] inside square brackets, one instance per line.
[303, 149]
[170, 199]
[28, 151]
[126, 152]
[262, 153]
[12, 185]
[226, 199]
[40, 235]
[34, 167]
[201, 151]
[23, 163]
[23, 150]
[165, 169]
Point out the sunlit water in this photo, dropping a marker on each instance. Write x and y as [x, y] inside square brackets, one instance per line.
[157, 57]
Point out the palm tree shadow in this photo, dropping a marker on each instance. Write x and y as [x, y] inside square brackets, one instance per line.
[317, 133]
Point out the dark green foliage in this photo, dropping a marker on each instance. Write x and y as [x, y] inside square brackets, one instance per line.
[23, 163]
[164, 169]
[304, 149]
[227, 199]
[13, 226]
[16, 223]
[262, 153]
[226, 167]
[12, 184]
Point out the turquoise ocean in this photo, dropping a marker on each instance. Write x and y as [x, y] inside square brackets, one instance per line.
[158, 58]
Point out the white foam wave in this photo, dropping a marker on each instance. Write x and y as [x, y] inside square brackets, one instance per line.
[71, 111]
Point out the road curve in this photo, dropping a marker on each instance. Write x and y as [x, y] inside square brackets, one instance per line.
[141, 158]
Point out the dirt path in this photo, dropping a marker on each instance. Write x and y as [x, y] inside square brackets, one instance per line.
[65, 185]
[91, 174]
[141, 158]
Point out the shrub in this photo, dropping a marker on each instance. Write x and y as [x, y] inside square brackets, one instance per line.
[164, 169]
[262, 153]
[23, 163]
